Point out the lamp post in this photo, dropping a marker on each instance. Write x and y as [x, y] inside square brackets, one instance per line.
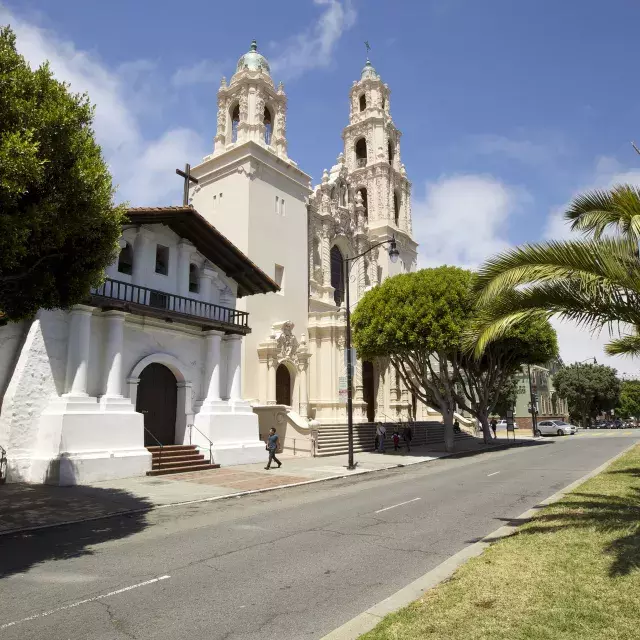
[347, 262]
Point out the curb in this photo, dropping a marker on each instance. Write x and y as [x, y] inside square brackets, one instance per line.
[124, 512]
[370, 618]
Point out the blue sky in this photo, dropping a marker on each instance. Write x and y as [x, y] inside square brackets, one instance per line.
[507, 108]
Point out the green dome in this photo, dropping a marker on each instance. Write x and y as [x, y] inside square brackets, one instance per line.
[253, 60]
[368, 72]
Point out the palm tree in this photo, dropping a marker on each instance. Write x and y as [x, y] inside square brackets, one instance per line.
[594, 280]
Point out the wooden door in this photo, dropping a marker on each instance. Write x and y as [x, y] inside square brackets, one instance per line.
[283, 385]
[157, 399]
[368, 391]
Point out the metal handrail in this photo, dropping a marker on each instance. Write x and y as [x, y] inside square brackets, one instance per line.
[155, 299]
[159, 444]
[191, 428]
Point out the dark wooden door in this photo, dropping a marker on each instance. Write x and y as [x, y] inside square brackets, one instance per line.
[283, 385]
[368, 390]
[157, 399]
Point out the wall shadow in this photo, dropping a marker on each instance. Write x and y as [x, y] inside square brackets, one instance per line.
[27, 506]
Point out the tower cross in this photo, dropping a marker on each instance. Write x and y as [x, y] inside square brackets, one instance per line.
[186, 174]
[366, 44]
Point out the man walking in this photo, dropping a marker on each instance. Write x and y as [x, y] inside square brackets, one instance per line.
[381, 432]
[272, 447]
[407, 436]
[494, 425]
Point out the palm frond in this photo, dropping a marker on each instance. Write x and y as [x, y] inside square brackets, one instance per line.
[624, 346]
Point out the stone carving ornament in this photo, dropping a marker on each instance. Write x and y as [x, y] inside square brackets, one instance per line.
[287, 343]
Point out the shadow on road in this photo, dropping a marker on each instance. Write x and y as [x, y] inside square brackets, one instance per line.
[28, 506]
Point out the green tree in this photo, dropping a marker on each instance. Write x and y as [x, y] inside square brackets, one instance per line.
[507, 398]
[419, 321]
[58, 225]
[593, 281]
[629, 405]
[590, 389]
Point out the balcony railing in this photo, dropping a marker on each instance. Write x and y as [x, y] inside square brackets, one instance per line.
[159, 303]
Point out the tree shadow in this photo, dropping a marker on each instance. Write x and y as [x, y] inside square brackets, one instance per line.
[606, 514]
[31, 509]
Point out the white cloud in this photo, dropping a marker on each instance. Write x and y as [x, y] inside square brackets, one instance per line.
[314, 47]
[141, 167]
[203, 72]
[463, 219]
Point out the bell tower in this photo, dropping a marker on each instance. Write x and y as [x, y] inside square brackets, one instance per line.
[251, 108]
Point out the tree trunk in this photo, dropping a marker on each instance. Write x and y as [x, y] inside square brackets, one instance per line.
[448, 431]
[486, 429]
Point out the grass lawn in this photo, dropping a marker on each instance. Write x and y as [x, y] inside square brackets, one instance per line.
[572, 572]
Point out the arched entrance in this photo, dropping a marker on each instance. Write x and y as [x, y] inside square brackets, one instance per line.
[157, 399]
[283, 385]
[368, 390]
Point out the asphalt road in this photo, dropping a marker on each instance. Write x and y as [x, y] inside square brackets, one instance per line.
[291, 564]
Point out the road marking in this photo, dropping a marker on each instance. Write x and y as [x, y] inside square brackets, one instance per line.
[77, 604]
[387, 508]
[492, 474]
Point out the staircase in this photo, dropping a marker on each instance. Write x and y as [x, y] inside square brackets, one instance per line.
[177, 458]
[334, 439]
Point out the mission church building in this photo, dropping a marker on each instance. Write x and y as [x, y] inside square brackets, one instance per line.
[250, 189]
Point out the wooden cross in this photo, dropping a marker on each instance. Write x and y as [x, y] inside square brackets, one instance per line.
[186, 174]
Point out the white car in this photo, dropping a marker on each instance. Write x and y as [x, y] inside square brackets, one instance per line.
[555, 428]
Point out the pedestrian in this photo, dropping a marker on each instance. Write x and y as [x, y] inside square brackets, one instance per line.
[456, 426]
[407, 436]
[396, 439]
[381, 432]
[494, 426]
[272, 447]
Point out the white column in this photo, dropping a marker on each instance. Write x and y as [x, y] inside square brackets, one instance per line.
[78, 351]
[234, 370]
[304, 392]
[113, 353]
[272, 365]
[143, 261]
[212, 366]
[182, 271]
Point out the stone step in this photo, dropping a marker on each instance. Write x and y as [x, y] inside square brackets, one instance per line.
[169, 463]
[173, 447]
[188, 469]
[176, 455]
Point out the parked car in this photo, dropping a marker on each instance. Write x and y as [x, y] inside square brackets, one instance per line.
[555, 428]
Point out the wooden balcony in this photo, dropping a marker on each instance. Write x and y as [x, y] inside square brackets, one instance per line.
[114, 294]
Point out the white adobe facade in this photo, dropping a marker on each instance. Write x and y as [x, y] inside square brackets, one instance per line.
[158, 345]
[249, 188]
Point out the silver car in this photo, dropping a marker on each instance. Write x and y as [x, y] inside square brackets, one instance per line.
[555, 428]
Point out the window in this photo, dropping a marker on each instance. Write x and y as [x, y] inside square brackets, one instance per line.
[282, 207]
[363, 102]
[337, 275]
[361, 153]
[235, 121]
[215, 203]
[391, 152]
[277, 205]
[125, 260]
[384, 102]
[268, 125]
[279, 277]
[396, 208]
[194, 278]
[162, 260]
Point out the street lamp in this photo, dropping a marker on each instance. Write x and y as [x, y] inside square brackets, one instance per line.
[393, 256]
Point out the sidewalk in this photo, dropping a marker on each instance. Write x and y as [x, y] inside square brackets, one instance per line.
[24, 507]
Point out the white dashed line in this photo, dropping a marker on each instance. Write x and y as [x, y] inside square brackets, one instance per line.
[397, 505]
[492, 474]
[77, 604]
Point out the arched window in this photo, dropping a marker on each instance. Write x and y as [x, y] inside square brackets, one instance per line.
[194, 279]
[365, 203]
[235, 121]
[384, 102]
[361, 153]
[363, 102]
[283, 385]
[125, 260]
[396, 207]
[337, 275]
[267, 120]
[391, 152]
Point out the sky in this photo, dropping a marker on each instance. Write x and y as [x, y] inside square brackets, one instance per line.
[507, 109]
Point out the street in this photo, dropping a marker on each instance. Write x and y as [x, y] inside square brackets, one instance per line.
[290, 564]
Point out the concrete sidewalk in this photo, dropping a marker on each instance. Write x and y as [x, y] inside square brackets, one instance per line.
[28, 507]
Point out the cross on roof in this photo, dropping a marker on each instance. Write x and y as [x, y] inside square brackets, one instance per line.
[186, 174]
[366, 44]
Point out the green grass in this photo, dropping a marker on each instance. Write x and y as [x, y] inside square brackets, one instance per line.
[572, 572]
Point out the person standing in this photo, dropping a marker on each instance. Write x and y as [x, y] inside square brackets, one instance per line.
[407, 436]
[381, 432]
[396, 439]
[272, 447]
[494, 426]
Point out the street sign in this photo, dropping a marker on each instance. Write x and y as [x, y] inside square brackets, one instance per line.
[510, 424]
[342, 388]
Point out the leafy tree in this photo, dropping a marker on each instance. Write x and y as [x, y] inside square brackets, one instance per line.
[593, 281]
[419, 322]
[507, 397]
[58, 224]
[629, 406]
[590, 389]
